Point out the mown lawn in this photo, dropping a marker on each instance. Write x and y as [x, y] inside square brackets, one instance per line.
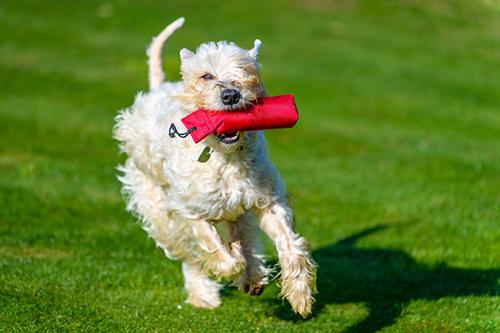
[395, 163]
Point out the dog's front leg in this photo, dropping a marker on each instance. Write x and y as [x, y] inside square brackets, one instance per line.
[298, 269]
[219, 258]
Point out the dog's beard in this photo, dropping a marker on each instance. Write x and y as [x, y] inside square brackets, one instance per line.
[226, 143]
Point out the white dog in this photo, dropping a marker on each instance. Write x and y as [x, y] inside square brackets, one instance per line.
[180, 199]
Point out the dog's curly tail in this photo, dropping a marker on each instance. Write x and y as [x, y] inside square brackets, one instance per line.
[154, 52]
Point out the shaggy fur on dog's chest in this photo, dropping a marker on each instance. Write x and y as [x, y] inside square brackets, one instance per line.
[225, 186]
[221, 191]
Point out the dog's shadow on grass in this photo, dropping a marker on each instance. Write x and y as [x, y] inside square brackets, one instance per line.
[386, 280]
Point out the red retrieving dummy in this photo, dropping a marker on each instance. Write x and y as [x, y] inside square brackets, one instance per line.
[267, 113]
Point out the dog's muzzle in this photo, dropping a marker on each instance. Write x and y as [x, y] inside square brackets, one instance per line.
[230, 96]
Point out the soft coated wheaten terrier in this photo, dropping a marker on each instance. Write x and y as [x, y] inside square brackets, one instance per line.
[180, 199]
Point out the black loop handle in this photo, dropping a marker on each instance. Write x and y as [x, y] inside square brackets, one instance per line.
[173, 131]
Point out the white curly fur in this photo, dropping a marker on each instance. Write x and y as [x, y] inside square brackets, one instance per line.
[180, 200]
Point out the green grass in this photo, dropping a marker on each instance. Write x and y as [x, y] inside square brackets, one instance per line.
[394, 164]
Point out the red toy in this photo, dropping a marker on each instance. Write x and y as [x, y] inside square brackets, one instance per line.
[267, 113]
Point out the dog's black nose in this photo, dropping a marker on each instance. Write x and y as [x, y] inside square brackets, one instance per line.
[230, 96]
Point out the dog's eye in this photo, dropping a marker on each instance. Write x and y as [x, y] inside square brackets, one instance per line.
[207, 77]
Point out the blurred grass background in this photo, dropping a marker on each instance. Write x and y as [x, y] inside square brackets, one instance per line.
[394, 164]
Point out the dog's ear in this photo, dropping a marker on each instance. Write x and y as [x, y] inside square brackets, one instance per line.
[254, 53]
[186, 55]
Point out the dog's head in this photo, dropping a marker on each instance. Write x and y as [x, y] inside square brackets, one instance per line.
[221, 77]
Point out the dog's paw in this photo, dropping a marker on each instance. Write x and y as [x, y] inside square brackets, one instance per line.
[299, 291]
[252, 284]
[301, 302]
[237, 264]
[228, 262]
[253, 290]
[204, 300]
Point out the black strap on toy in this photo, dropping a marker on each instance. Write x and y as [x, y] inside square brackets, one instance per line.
[173, 131]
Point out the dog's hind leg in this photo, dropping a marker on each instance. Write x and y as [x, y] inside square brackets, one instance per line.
[298, 269]
[203, 291]
[245, 229]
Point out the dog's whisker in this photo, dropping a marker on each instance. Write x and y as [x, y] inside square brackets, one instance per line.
[254, 96]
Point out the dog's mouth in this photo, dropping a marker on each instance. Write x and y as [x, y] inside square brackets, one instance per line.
[229, 138]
